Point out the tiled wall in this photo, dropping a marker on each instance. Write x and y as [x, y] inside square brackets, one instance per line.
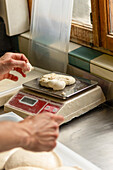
[92, 61]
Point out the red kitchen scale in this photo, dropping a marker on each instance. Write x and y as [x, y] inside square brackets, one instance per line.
[71, 102]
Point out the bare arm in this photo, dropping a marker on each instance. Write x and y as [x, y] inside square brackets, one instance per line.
[35, 133]
[11, 135]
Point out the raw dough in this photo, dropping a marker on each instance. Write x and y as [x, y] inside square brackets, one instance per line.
[4, 156]
[29, 66]
[27, 168]
[56, 81]
[56, 84]
[67, 168]
[44, 160]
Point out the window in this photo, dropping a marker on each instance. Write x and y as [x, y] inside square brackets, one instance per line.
[81, 31]
[92, 23]
[30, 6]
[110, 17]
[100, 32]
[106, 21]
[82, 11]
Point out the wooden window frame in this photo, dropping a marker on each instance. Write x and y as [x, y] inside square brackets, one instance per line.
[99, 38]
[96, 37]
[85, 35]
[81, 34]
[106, 38]
[96, 23]
[30, 7]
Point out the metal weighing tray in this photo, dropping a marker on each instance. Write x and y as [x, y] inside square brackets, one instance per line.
[80, 86]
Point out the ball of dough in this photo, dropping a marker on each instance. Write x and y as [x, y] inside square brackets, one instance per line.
[44, 82]
[29, 66]
[68, 79]
[67, 168]
[50, 76]
[44, 160]
[56, 84]
[4, 156]
[27, 168]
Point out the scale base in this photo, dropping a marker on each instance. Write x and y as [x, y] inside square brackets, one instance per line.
[82, 103]
[71, 108]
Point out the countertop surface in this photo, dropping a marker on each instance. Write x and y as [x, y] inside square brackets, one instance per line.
[91, 136]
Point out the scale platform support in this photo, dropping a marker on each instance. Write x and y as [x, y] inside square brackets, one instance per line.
[71, 108]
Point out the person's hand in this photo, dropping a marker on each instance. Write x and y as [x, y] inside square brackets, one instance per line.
[42, 131]
[35, 133]
[13, 61]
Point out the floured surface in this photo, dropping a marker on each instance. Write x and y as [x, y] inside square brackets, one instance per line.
[6, 84]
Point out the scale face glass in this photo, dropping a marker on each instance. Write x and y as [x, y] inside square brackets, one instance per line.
[28, 101]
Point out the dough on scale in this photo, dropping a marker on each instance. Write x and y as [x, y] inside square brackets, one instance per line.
[23, 158]
[56, 84]
[56, 81]
[27, 168]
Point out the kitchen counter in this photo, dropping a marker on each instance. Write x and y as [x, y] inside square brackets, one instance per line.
[91, 136]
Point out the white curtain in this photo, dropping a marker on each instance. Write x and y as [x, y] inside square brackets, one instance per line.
[50, 31]
[81, 11]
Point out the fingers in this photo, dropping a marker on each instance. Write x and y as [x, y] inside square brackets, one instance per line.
[18, 60]
[42, 130]
[19, 70]
[18, 56]
[11, 77]
[46, 148]
[20, 64]
[54, 134]
[51, 145]
[58, 118]
[14, 61]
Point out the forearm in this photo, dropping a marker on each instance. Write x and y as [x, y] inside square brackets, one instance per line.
[11, 135]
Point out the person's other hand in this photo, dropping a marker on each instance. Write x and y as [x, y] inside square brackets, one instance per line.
[42, 131]
[13, 61]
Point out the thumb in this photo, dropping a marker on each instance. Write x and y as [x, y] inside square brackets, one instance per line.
[58, 118]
